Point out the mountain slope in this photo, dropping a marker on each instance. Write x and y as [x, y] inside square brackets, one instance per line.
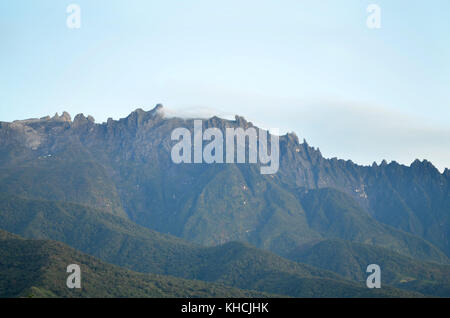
[113, 239]
[68, 178]
[351, 259]
[118, 241]
[336, 215]
[36, 268]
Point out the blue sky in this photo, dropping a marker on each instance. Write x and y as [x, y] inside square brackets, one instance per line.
[312, 67]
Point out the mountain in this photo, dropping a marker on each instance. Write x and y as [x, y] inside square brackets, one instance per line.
[351, 259]
[111, 190]
[121, 242]
[124, 167]
[37, 268]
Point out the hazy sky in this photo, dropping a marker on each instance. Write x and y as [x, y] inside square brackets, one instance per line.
[308, 66]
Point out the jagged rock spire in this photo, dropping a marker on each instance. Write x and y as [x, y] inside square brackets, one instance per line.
[64, 117]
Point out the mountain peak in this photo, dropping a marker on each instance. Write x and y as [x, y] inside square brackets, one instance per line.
[139, 112]
[65, 117]
[425, 165]
[447, 172]
[241, 121]
[80, 119]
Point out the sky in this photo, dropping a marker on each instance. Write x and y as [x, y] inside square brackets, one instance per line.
[311, 67]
